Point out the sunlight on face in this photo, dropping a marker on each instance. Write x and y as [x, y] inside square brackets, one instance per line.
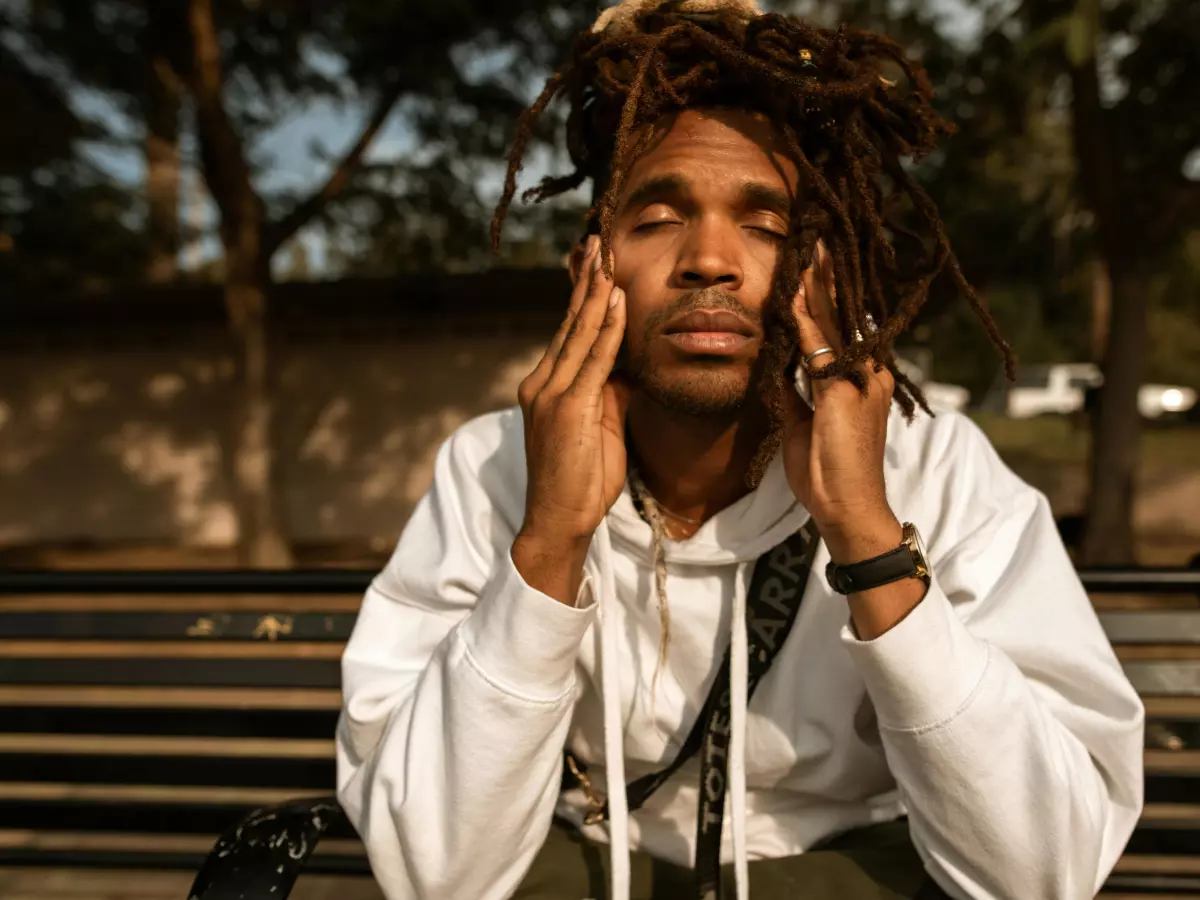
[695, 239]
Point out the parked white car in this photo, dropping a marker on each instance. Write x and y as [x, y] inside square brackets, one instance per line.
[1059, 389]
[940, 396]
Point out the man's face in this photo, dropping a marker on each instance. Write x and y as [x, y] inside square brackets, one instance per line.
[698, 229]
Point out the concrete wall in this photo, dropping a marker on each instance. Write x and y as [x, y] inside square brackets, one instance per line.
[125, 444]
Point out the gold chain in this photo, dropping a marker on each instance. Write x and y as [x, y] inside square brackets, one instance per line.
[594, 798]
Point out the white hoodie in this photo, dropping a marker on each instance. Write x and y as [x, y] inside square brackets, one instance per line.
[995, 714]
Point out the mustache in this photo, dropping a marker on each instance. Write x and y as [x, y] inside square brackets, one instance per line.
[709, 298]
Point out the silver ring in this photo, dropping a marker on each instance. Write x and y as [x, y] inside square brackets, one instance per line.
[820, 351]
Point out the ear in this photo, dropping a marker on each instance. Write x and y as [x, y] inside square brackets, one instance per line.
[575, 261]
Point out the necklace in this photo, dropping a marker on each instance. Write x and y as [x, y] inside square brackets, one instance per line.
[642, 494]
[676, 516]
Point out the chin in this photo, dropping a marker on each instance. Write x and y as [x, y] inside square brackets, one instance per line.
[696, 390]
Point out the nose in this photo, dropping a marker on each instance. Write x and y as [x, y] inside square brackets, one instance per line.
[709, 256]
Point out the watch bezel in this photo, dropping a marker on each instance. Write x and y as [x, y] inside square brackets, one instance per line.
[916, 546]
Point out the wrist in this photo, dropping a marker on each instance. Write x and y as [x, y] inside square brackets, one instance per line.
[862, 538]
[553, 566]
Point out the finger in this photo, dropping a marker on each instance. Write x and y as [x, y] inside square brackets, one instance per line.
[584, 329]
[822, 296]
[812, 335]
[583, 283]
[598, 364]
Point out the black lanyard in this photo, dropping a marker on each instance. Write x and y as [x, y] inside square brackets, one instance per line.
[772, 601]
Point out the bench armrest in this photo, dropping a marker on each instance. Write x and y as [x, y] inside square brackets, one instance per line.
[262, 855]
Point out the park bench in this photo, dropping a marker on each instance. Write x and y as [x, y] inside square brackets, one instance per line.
[144, 714]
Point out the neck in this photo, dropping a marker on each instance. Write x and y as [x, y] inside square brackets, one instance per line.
[695, 466]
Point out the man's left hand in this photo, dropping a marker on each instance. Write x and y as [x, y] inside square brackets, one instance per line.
[833, 453]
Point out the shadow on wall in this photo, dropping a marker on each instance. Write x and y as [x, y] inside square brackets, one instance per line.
[127, 446]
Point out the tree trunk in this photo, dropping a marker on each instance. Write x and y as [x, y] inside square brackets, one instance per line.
[261, 537]
[1108, 537]
[163, 95]
[1101, 309]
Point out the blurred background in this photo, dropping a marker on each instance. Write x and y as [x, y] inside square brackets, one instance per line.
[245, 289]
[246, 293]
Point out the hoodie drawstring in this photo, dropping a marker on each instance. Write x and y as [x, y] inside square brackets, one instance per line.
[614, 742]
[739, 685]
[614, 749]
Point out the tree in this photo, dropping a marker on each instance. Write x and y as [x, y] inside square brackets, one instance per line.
[63, 225]
[459, 68]
[162, 109]
[368, 36]
[124, 49]
[1133, 74]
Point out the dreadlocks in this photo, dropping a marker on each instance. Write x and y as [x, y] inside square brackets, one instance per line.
[846, 127]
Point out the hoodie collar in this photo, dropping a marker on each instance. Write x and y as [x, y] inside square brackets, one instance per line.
[741, 532]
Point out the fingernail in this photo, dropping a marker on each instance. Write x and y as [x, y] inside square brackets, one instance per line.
[593, 246]
[617, 296]
[596, 259]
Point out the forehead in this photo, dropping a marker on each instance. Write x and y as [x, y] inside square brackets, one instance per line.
[714, 148]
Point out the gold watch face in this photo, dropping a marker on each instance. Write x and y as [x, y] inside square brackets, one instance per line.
[917, 546]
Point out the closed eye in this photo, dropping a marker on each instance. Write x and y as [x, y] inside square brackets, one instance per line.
[768, 233]
[653, 226]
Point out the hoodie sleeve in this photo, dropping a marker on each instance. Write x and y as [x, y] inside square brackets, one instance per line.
[458, 689]
[1012, 732]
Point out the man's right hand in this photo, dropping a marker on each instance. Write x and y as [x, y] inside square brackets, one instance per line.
[574, 435]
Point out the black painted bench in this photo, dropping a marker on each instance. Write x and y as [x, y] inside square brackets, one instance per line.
[144, 714]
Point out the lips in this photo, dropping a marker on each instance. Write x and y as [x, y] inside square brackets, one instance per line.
[710, 332]
[710, 321]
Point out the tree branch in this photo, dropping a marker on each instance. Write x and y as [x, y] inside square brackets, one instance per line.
[280, 231]
[225, 168]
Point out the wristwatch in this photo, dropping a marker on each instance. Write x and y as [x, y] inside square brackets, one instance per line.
[906, 561]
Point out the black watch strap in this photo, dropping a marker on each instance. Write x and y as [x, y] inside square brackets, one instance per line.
[903, 562]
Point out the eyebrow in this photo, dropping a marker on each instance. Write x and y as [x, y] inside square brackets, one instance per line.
[755, 195]
[752, 195]
[661, 187]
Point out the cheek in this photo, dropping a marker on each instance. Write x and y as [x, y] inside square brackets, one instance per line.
[644, 278]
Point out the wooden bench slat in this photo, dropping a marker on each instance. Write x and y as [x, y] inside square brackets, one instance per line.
[199, 603]
[166, 745]
[1138, 652]
[171, 624]
[1177, 815]
[123, 841]
[1151, 626]
[142, 860]
[215, 698]
[1104, 602]
[1167, 677]
[1186, 708]
[1172, 761]
[1148, 864]
[198, 649]
[150, 793]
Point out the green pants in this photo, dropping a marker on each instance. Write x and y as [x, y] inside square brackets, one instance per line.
[879, 863]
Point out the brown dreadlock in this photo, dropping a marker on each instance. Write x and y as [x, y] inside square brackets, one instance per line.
[846, 127]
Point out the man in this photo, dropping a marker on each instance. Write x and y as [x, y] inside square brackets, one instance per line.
[625, 575]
